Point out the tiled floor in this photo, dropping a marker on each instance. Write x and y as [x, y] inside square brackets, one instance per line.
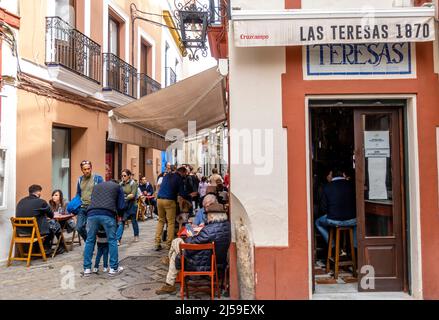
[340, 290]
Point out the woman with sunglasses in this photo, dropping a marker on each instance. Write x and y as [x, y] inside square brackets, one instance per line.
[129, 187]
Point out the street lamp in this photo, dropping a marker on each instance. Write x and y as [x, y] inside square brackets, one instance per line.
[192, 18]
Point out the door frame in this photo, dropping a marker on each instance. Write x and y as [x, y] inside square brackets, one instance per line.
[412, 190]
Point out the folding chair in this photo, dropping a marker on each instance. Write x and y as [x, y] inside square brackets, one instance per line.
[35, 236]
[213, 274]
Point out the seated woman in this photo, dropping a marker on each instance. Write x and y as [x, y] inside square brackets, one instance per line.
[58, 206]
[201, 216]
[217, 230]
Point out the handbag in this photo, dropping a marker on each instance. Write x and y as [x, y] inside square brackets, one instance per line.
[74, 205]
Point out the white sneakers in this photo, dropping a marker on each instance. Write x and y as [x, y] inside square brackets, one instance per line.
[115, 272]
[111, 272]
[87, 272]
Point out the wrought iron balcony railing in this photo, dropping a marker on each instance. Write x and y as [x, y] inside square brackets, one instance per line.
[119, 75]
[148, 85]
[67, 47]
[172, 76]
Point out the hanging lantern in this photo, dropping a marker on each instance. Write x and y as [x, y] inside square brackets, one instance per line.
[192, 19]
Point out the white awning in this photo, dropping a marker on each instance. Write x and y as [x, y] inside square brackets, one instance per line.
[200, 98]
[255, 28]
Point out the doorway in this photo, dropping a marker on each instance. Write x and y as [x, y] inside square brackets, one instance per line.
[61, 155]
[365, 141]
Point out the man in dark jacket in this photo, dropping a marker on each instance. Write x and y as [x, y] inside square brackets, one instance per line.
[338, 205]
[107, 199]
[33, 206]
[217, 230]
[172, 187]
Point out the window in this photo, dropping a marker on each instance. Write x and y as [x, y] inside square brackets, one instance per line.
[61, 160]
[66, 10]
[113, 36]
[166, 64]
[145, 59]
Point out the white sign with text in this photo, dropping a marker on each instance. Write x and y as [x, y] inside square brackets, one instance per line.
[353, 61]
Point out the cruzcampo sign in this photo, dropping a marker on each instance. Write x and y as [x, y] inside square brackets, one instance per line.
[296, 31]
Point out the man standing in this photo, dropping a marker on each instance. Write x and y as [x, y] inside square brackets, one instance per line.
[33, 206]
[107, 199]
[171, 187]
[337, 205]
[84, 189]
[129, 188]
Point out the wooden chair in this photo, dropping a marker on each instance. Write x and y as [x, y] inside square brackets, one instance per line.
[75, 233]
[141, 209]
[336, 261]
[213, 273]
[35, 236]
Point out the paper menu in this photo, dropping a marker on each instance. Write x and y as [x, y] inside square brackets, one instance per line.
[377, 169]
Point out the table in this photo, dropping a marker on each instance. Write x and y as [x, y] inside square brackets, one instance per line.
[61, 217]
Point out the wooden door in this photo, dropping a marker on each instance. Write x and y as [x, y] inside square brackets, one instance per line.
[380, 210]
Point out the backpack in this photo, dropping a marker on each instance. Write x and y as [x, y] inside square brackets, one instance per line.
[75, 204]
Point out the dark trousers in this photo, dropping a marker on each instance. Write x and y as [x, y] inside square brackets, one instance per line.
[103, 250]
[81, 223]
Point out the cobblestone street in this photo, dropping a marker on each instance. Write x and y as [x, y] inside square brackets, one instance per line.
[60, 278]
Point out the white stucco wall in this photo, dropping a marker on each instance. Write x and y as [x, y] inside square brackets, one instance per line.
[256, 106]
[354, 4]
[258, 4]
[8, 141]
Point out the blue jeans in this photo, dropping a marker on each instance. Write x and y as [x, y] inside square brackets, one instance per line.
[323, 224]
[93, 225]
[81, 223]
[121, 227]
[103, 249]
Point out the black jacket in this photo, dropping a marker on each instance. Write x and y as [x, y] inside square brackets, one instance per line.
[338, 200]
[220, 233]
[32, 206]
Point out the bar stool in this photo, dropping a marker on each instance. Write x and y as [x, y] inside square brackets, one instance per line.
[337, 263]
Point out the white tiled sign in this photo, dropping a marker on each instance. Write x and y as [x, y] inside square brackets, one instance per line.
[359, 61]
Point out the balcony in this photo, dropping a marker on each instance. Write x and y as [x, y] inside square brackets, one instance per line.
[73, 60]
[120, 80]
[148, 85]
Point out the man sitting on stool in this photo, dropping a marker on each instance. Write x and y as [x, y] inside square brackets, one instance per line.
[338, 206]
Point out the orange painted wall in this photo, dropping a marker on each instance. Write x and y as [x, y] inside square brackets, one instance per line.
[35, 117]
[283, 273]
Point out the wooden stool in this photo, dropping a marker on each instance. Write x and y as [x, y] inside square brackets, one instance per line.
[336, 261]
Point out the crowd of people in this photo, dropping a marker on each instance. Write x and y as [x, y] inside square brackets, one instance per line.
[182, 200]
